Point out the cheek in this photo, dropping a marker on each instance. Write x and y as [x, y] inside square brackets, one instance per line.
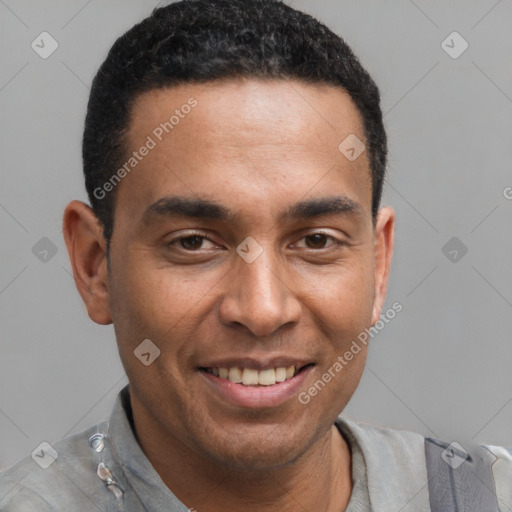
[355, 299]
[147, 307]
[152, 301]
[341, 298]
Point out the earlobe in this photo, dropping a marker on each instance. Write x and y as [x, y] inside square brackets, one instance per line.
[86, 245]
[383, 254]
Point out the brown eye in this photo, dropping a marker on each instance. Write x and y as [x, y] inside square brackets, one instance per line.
[316, 241]
[191, 243]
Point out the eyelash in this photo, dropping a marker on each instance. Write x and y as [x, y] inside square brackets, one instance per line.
[203, 237]
[191, 235]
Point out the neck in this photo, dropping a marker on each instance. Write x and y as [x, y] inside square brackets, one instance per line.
[320, 479]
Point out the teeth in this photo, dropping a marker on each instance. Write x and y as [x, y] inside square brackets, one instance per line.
[235, 375]
[280, 374]
[251, 377]
[267, 377]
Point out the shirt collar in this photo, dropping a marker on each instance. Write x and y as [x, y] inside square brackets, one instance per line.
[127, 453]
[395, 464]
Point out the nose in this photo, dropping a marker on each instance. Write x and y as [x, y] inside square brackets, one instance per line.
[259, 297]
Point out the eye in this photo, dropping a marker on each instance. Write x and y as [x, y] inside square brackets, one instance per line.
[191, 242]
[319, 241]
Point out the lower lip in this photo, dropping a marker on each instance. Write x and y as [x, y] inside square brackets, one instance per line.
[256, 396]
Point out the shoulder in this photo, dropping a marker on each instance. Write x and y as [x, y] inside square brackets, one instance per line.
[502, 473]
[429, 460]
[55, 477]
[384, 441]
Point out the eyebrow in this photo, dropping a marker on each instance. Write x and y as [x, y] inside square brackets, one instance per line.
[198, 208]
[187, 207]
[337, 205]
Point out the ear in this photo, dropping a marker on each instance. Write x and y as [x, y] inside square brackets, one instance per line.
[383, 253]
[83, 234]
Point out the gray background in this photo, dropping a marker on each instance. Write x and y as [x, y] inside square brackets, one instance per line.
[442, 367]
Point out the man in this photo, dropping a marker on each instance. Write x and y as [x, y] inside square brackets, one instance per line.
[234, 155]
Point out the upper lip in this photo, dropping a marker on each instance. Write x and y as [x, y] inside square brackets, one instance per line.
[256, 364]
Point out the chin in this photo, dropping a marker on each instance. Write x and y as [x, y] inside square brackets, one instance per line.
[259, 452]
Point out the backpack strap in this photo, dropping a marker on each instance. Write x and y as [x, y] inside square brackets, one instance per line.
[460, 480]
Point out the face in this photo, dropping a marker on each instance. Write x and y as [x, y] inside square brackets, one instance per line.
[243, 242]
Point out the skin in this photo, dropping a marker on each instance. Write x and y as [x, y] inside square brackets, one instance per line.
[257, 148]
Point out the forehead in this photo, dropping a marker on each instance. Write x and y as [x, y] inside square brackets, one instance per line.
[244, 137]
[261, 107]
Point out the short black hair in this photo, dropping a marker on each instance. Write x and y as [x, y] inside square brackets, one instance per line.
[198, 41]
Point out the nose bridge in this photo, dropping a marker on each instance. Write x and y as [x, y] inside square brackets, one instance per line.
[263, 279]
[258, 296]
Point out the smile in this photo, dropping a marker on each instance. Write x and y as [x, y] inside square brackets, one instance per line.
[252, 377]
[255, 388]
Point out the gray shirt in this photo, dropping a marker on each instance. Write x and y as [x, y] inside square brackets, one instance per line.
[105, 469]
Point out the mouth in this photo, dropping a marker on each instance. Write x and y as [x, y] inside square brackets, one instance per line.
[254, 377]
[255, 388]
